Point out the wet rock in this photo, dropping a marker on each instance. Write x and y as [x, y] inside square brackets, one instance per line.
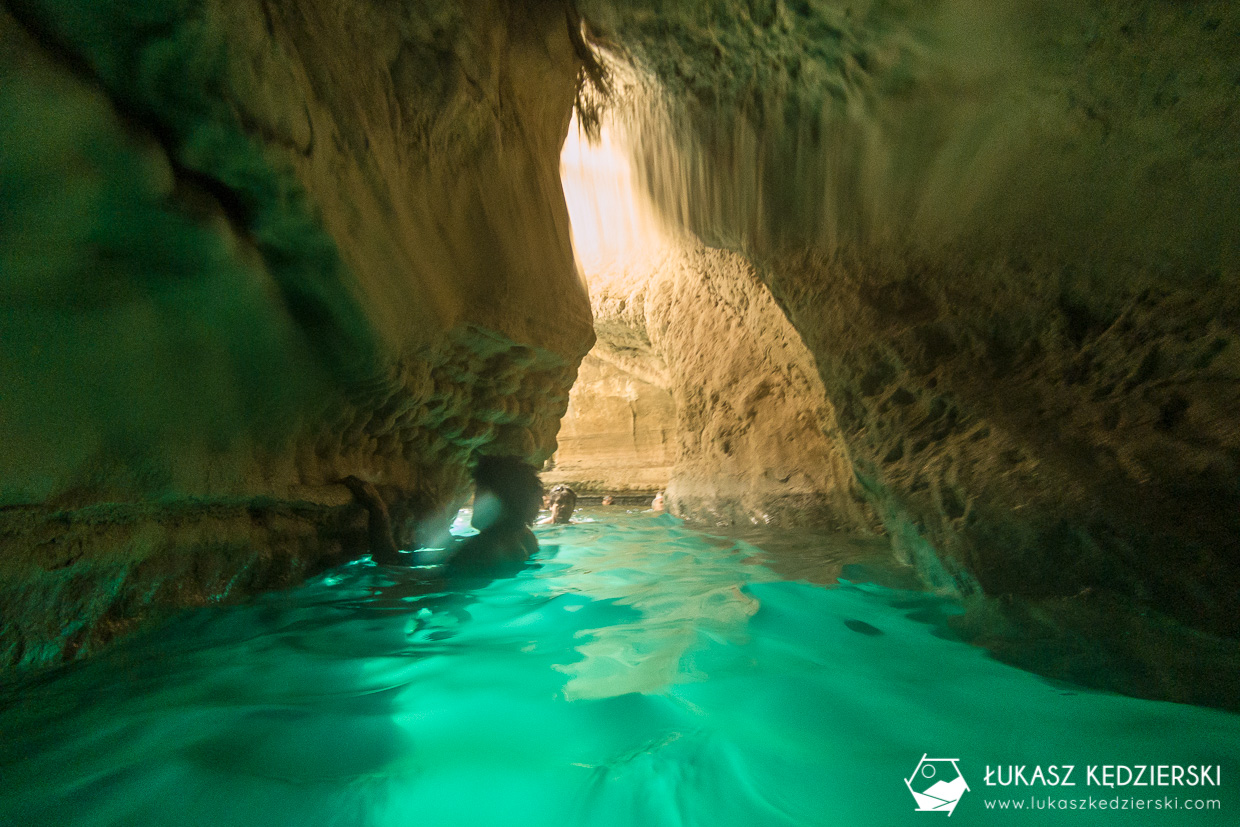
[250, 249]
[1010, 246]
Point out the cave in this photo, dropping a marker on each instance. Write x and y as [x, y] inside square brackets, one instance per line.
[885, 354]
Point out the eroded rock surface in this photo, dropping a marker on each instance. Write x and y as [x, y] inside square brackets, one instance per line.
[757, 441]
[251, 248]
[618, 435]
[707, 388]
[1009, 235]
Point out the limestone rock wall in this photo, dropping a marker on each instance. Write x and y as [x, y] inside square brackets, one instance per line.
[1008, 233]
[758, 442]
[250, 248]
[698, 384]
[618, 435]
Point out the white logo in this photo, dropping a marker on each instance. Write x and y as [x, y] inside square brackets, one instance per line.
[936, 784]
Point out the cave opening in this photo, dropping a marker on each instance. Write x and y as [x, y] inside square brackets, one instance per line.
[618, 437]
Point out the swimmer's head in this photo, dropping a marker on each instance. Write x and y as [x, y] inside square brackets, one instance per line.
[563, 500]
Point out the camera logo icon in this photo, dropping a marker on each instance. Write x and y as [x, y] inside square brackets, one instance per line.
[936, 784]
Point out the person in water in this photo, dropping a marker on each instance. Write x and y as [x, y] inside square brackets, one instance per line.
[657, 503]
[609, 500]
[562, 501]
[507, 494]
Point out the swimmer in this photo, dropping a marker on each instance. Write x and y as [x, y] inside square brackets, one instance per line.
[657, 503]
[609, 500]
[563, 500]
[506, 500]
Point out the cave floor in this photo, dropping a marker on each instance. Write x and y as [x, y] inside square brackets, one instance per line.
[644, 673]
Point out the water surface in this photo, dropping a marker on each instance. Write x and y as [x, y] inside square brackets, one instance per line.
[641, 674]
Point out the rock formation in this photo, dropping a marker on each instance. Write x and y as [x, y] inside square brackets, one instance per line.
[618, 434]
[251, 248]
[698, 383]
[1008, 234]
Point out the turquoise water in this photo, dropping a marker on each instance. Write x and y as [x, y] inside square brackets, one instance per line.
[642, 674]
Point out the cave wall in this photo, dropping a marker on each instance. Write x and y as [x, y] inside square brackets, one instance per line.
[618, 435]
[758, 442]
[250, 248]
[697, 384]
[1008, 234]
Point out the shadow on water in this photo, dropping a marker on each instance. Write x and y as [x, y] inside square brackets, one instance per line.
[640, 673]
